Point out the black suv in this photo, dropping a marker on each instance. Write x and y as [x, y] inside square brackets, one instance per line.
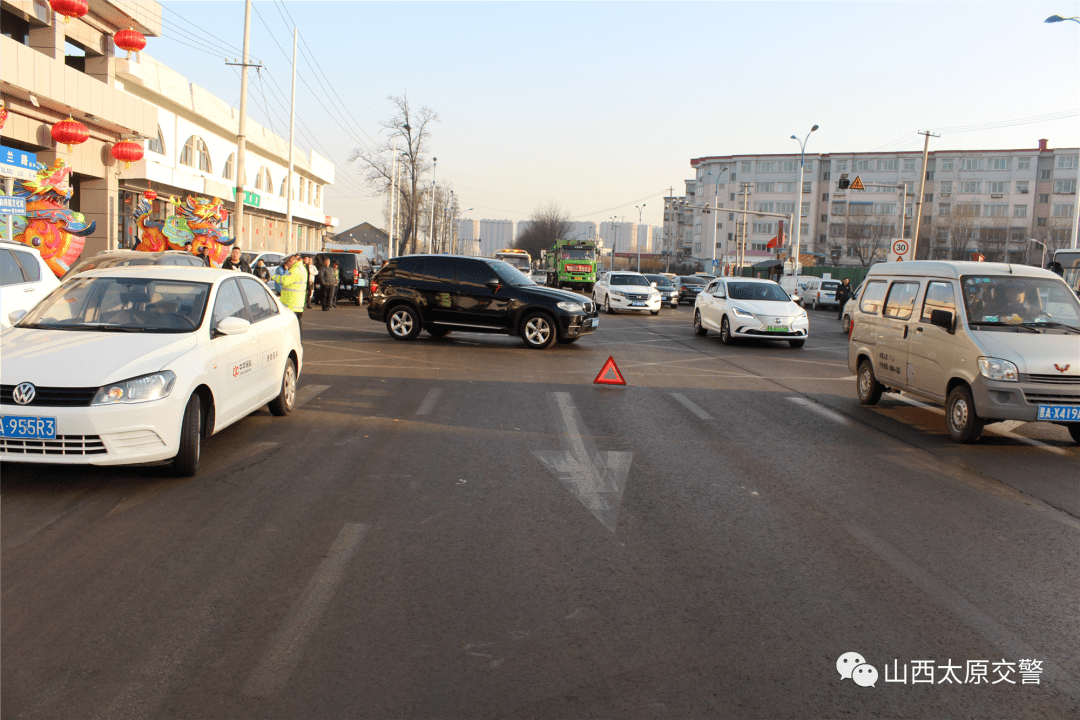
[440, 293]
[354, 273]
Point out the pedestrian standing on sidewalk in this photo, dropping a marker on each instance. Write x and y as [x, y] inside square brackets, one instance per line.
[261, 271]
[294, 286]
[334, 288]
[326, 278]
[843, 294]
[236, 261]
[313, 275]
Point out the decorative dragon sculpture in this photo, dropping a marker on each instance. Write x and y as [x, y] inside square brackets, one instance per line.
[197, 224]
[49, 226]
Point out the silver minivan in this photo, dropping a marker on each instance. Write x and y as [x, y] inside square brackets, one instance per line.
[993, 341]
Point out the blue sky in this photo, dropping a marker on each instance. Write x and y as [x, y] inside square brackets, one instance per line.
[600, 106]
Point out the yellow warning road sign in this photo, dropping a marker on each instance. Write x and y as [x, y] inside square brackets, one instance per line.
[856, 184]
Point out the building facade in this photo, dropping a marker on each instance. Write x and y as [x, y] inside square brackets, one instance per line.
[994, 202]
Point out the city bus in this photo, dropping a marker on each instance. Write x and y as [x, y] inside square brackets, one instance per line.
[518, 258]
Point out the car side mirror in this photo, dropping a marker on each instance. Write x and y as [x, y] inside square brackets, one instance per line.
[653, 284]
[719, 293]
[942, 319]
[493, 283]
[232, 326]
[15, 316]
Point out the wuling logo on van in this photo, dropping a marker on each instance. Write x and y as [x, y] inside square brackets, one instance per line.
[1061, 369]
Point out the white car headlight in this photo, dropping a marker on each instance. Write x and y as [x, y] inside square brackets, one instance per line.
[997, 369]
[141, 389]
[571, 307]
[619, 293]
[653, 295]
[742, 313]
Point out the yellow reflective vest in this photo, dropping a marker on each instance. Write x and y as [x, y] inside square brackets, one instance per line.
[294, 288]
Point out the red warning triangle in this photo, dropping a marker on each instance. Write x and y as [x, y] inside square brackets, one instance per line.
[609, 374]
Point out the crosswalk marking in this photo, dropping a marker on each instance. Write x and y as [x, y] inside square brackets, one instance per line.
[820, 410]
[307, 393]
[689, 405]
[429, 401]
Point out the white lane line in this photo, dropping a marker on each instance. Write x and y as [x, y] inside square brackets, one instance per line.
[429, 401]
[285, 651]
[944, 596]
[689, 405]
[307, 393]
[821, 410]
[1004, 428]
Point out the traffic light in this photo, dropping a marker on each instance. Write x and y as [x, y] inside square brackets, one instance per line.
[843, 184]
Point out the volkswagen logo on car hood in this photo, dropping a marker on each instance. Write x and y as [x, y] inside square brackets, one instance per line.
[24, 393]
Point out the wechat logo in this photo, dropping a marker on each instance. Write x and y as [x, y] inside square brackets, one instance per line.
[853, 666]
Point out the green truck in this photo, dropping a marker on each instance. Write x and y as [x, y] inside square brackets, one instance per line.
[571, 264]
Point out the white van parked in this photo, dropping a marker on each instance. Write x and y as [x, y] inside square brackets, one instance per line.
[820, 292]
[793, 285]
[993, 341]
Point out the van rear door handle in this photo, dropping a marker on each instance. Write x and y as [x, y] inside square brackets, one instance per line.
[905, 332]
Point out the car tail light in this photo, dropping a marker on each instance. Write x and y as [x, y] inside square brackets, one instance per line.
[374, 287]
[356, 275]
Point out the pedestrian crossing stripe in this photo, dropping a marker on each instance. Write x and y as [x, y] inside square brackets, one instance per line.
[609, 374]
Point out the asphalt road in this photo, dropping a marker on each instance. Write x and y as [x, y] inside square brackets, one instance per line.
[463, 528]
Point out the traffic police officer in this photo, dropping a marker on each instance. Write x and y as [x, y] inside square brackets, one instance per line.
[294, 287]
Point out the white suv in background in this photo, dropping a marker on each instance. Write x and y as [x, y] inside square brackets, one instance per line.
[625, 290]
[24, 279]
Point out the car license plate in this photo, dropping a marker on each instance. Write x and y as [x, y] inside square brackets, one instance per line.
[34, 428]
[1070, 413]
[776, 328]
[637, 304]
[594, 322]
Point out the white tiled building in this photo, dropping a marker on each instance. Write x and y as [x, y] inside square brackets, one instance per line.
[990, 201]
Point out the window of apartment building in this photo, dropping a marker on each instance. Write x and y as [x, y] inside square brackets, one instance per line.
[785, 187]
[804, 210]
[841, 166]
[765, 187]
[766, 166]
[759, 246]
[764, 207]
[860, 165]
[928, 197]
[999, 163]
[1065, 187]
[968, 209]
[1044, 198]
[318, 195]
[909, 164]
[824, 218]
[886, 165]
[310, 191]
[997, 188]
[157, 144]
[837, 230]
[1067, 161]
[824, 197]
[195, 154]
[731, 197]
[262, 179]
[860, 208]
[731, 216]
[785, 208]
[822, 238]
[945, 187]
[1045, 174]
[995, 210]
[970, 187]
[284, 186]
[765, 227]
[804, 229]
[1061, 210]
[787, 166]
[1040, 222]
[719, 245]
[1023, 163]
[697, 228]
[839, 208]
[1020, 211]
[745, 167]
[947, 164]
[972, 164]
[1022, 187]
[697, 248]
[884, 208]
[1017, 234]
[808, 165]
[807, 185]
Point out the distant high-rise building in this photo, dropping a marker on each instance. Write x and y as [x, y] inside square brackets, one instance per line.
[495, 235]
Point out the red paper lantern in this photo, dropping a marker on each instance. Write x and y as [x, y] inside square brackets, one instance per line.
[150, 195]
[130, 40]
[127, 152]
[70, 132]
[69, 8]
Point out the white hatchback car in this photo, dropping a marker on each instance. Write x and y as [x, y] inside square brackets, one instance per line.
[750, 308]
[24, 279]
[137, 364]
[619, 290]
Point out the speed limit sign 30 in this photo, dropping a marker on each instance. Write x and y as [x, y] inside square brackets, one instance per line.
[900, 251]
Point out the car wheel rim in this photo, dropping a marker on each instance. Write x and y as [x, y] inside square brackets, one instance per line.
[290, 385]
[725, 329]
[697, 321]
[401, 323]
[959, 414]
[864, 383]
[537, 331]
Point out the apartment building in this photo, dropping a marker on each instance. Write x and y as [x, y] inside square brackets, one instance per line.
[995, 202]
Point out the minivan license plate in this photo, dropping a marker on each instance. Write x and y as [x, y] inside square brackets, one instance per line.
[776, 328]
[1070, 413]
[31, 428]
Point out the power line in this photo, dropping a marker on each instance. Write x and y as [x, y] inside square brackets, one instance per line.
[201, 29]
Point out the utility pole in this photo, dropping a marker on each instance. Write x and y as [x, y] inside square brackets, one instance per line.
[393, 199]
[919, 199]
[431, 228]
[238, 205]
[745, 187]
[292, 135]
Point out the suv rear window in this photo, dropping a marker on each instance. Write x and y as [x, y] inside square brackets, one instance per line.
[830, 285]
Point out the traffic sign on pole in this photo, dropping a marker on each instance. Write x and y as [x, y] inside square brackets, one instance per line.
[12, 205]
[856, 184]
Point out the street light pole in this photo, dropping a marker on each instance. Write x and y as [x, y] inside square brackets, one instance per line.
[798, 200]
[431, 227]
[716, 213]
[1076, 205]
[639, 209]
[614, 242]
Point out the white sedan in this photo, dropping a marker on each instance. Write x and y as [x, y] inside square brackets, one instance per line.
[137, 364]
[618, 290]
[750, 308]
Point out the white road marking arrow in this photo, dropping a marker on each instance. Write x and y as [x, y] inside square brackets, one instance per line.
[596, 479]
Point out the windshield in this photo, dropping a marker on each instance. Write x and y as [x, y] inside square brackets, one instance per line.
[577, 253]
[757, 291]
[509, 274]
[629, 280]
[126, 304]
[692, 280]
[1014, 299]
[660, 280]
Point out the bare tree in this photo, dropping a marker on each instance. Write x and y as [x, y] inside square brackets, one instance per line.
[411, 130]
[994, 238]
[866, 239]
[956, 230]
[546, 225]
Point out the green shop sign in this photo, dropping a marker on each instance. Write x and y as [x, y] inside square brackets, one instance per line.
[250, 198]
